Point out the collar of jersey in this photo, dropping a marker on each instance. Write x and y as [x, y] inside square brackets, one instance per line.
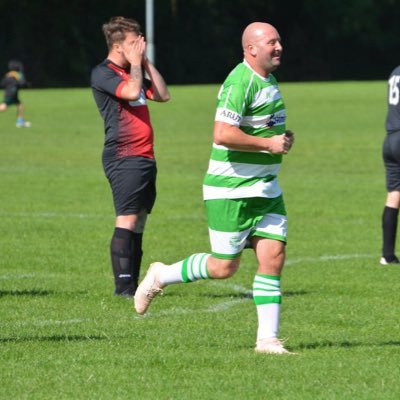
[254, 72]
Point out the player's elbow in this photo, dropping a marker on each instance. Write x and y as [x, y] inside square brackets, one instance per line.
[133, 96]
[162, 97]
[165, 97]
[219, 137]
[131, 92]
[221, 133]
[218, 140]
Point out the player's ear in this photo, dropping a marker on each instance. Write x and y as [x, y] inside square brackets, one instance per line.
[117, 46]
[252, 50]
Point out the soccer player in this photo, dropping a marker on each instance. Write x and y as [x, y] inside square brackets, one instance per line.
[121, 92]
[391, 158]
[241, 192]
[13, 80]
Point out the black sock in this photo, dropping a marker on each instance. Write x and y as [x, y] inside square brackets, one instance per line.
[137, 253]
[389, 228]
[121, 260]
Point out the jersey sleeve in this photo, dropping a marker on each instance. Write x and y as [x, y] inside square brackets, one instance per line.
[230, 103]
[106, 80]
[148, 88]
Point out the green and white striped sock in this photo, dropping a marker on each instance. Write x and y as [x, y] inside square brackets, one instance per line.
[267, 297]
[195, 267]
[267, 289]
[190, 269]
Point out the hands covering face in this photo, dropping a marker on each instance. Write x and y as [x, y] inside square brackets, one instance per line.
[135, 50]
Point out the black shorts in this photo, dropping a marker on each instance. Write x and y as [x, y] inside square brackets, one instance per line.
[133, 184]
[391, 159]
[11, 95]
[10, 100]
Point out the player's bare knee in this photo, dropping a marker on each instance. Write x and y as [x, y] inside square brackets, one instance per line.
[140, 222]
[126, 221]
[223, 269]
[393, 199]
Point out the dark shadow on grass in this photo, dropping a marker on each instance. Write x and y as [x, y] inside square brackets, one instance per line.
[229, 295]
[53, 338]
[345, 344]
[297, 349]
[293, 293]
[32, 292]
[249, 295]
[328, 344]
[391, 343]
[36, 293]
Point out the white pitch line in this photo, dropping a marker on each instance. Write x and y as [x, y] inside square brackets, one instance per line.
[36, 215]
[60, 322]
[233, 286]
[16, 276]
[225, 305]
[50, 322]
[48, 215]
[336, 257]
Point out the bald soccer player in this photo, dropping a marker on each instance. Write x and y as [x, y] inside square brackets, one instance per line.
[242, 196]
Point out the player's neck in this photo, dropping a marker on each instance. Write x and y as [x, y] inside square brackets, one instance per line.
[259, 71]
[117, 59]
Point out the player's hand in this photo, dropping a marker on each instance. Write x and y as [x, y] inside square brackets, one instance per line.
[280, 144]
[136, 52]
[290, 135]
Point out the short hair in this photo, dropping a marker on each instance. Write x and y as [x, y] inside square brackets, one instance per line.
[116, 29]
[15, 65]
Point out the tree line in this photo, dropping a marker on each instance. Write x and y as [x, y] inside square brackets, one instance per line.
[199, 41]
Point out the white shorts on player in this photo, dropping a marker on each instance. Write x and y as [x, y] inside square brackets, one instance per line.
[231, 222]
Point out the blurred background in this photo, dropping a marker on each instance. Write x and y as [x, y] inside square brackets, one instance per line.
[198, 41]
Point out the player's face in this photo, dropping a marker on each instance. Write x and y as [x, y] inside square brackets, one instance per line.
[269, 50]
[128, 42]
[126, 45]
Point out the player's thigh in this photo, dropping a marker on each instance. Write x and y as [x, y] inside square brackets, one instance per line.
[227, 227]
[273, 223]
[232, 221]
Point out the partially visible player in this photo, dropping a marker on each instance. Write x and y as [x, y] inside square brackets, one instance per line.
[391, 158]
[241, 191]
[13, 80]
[121, 92]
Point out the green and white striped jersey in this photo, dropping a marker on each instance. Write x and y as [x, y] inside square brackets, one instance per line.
[254, 104]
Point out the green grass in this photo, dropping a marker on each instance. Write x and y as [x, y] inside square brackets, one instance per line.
[64, 335]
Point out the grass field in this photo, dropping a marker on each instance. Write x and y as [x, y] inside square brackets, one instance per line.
[63, 335]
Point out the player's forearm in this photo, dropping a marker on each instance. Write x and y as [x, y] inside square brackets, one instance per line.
[160, 88]
[133, 86]
[234, 138]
